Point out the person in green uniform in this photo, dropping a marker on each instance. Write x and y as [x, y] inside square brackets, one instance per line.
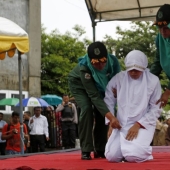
[162, 60]
[87, 83]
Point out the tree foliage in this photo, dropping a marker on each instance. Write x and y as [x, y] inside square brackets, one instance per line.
[141, 36]
[60, 53]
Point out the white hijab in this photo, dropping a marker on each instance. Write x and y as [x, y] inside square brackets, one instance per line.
[133, 92]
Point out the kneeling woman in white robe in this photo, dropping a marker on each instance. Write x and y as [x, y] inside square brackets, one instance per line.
[138, 90]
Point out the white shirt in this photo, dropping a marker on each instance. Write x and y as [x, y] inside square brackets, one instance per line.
[2, 123]
[39, 126]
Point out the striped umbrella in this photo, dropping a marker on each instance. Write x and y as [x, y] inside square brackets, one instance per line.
[33, 102]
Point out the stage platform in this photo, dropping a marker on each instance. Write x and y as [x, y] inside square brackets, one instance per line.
[70, 160]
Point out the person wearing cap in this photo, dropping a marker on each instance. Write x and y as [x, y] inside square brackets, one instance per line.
[87, 83]
[137, 93]
[162, 60]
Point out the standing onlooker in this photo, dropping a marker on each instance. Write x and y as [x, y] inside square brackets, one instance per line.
[2, 142]
[27, 116]
[48, 113]
[162, 60]
[11, 133]
[68, 121]
[52, 127]
[39, 127]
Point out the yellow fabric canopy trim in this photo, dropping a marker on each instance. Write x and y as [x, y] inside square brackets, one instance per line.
[9, 44]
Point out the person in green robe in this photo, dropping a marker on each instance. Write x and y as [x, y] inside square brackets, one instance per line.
[162, 60]
[87, 83]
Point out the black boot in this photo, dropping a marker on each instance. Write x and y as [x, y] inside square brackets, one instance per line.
[99, 154]
[85, 156]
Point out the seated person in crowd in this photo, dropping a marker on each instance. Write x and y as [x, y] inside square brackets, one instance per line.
[167, 137]
[138, 90]
[160, 132]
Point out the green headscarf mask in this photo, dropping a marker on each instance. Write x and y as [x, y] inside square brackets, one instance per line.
[164, 50]
[103, 76]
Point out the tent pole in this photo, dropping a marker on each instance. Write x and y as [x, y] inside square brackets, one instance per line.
[20, 104]
[94, 31]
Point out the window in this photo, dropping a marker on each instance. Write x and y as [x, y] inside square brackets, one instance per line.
[11, 94]
[2, 96]
[13, 108]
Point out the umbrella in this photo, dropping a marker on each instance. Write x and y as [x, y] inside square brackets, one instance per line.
[52, 99]
[12, 37]
[33, 102]
[9, 101]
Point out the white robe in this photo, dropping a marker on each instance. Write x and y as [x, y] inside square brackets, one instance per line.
[139, 106]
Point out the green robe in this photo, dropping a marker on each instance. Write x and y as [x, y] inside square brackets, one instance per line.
[158, 64]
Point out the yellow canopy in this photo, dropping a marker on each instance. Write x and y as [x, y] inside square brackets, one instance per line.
[12, 37]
